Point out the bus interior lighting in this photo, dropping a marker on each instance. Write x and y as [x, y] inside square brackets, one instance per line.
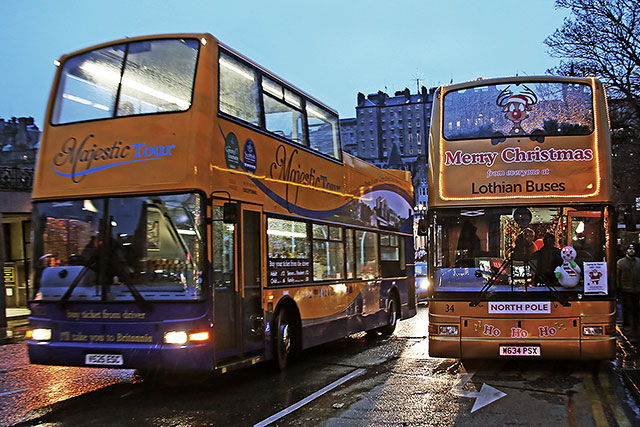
[285, 233]
[232, 67]
[114, 77]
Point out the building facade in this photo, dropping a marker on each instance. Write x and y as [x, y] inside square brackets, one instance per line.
[393, 132]
[19, 138]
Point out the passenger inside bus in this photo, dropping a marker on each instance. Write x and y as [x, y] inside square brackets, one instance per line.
[468, 245]
[547, 259]
[524, 247]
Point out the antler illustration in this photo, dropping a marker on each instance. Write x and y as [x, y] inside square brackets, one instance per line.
[530, 95]
[503, 98]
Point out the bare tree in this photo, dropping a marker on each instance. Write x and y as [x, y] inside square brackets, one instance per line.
[602, 38]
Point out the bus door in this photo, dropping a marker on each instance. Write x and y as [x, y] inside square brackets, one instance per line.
[238, 319]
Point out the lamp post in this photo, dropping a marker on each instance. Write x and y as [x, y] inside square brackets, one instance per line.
[420, 239]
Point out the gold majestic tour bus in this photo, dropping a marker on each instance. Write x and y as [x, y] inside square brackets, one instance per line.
[520, 220]
[193, 211]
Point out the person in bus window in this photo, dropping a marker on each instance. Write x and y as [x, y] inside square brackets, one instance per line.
[468, 245]
[628, 284]
[548, 257]
[524, 247]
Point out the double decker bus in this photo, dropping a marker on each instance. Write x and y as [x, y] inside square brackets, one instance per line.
[520, 220]
[193, 211]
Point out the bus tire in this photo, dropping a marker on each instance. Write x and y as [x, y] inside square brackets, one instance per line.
[392, 316]
[282, 340]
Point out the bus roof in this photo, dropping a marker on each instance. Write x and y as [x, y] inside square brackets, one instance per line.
[208, 38]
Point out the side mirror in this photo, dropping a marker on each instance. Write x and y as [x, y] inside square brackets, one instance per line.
[423, 227]
[230, 213]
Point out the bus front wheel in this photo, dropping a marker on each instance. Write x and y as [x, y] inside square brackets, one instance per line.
[392, 316]
[282, 345]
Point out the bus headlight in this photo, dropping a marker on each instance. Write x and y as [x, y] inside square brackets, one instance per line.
[182, 337]
[38, 334]
[448, 330]
[175, 337]
[423, 283]
[592, 330]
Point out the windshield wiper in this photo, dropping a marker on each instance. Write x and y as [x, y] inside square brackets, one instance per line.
[491, 281]
[508, 262]
[126, 279]
[65, 298]
[562, 299]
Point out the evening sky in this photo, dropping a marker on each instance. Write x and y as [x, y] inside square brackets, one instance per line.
[331, 49]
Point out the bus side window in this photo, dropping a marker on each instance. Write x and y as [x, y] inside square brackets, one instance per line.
[390, 255]
[323, 132]
[367, 255]
[282, 111]
[238, 90]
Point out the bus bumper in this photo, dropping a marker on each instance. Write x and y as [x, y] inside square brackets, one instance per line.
[134, 356]
[600, 348]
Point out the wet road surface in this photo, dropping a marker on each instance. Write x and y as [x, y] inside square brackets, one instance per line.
[357, 381]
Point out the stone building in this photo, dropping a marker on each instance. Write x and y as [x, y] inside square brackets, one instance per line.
[19, 138]
[393, 132]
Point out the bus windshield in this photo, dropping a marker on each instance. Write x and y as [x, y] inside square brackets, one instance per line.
[119, 249]
[518, 249]
[144, 77]
[520, 109]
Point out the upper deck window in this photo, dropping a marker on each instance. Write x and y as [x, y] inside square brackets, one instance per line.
[282, 111]
[524, 109]
[144, 77]
[323, 131]
[259, 99]
[239, 95]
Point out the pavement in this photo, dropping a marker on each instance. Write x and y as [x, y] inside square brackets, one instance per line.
[628, 360]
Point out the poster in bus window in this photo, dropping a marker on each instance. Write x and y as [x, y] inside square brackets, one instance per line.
[595, 278]
[283, 271]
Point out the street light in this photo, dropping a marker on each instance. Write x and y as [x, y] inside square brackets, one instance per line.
[420, 211]
[420, 223]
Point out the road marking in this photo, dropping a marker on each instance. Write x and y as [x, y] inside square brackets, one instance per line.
[618, 412]
[309, 398]
[6, 393]
[596, 404]
[485, 396]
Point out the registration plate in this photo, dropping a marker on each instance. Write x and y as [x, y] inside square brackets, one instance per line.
[104, 359]
[519, 350]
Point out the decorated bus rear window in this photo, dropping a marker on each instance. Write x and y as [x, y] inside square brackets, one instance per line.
[532, 109]
[142, 77]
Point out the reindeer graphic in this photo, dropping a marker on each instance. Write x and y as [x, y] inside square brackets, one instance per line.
[516, 107]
